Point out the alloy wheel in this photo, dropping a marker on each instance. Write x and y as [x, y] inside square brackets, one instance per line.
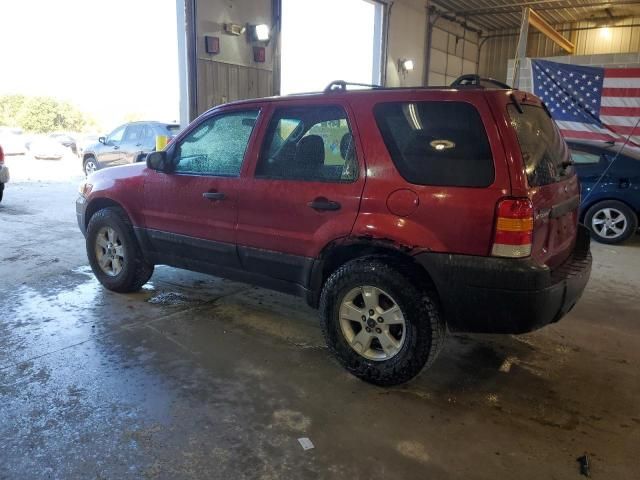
[372, 323]
[109, 251]
[609, 223]
[90, 167]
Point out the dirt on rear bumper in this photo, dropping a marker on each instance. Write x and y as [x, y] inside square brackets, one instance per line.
[497, 295]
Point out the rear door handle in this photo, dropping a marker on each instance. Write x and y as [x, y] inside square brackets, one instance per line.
[213, 195]
[322, 203]
[116, 147]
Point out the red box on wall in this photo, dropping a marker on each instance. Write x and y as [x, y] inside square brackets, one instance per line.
[259, 54]
[212, 45]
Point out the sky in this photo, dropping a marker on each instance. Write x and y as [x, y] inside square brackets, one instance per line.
[313, 29]
[111, 58]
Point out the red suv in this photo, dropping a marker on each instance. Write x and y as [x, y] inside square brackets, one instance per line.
[399, 213]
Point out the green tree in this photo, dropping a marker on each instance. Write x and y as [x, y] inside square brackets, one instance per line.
[10, 105]
[42, 114]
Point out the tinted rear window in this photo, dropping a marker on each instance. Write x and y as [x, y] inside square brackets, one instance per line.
[543, 149]
[437, 143]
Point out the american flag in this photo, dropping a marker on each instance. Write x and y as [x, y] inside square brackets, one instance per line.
[590, 103]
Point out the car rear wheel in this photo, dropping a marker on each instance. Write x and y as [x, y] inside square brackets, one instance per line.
[379, 324]
[611, 221]
[90, 165]
[114, 254]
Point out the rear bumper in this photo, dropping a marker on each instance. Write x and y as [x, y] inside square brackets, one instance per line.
[497, 295]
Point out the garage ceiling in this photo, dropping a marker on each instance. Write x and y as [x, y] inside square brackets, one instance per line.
[504, 14]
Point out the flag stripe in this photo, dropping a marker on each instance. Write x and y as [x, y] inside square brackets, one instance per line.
[633, 82]
[620, 102]
[586, 135]
[622, 121]
[621, 72]
[626, 129]
[620, 111]
[621, 92]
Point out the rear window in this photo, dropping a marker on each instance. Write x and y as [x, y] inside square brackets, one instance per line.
[545, 155]
[437, 143]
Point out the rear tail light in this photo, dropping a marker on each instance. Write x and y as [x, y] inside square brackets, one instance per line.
[1, 156]
[514, 228]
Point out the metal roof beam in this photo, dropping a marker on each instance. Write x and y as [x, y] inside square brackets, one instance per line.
[541, 5]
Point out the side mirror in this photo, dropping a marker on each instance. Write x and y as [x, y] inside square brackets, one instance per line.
[158, 161]
[102, 140]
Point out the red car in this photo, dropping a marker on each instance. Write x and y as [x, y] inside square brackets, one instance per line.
[399, 213]
[4, 173]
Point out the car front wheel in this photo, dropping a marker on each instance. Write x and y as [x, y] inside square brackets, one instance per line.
[611, 221]
[90, 165]
[378, 323]
[114, 254]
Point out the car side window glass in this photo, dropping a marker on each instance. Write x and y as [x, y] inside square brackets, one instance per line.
[437, 143]
[584, 158]
[216, 146]
[116, 135]
[133, 134]
[148, 135]
[309, 144]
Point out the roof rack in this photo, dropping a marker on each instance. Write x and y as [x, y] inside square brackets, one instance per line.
[341, 86]
[473, 80]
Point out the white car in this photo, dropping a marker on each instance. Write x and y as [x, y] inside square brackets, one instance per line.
[46, 148]
[4, 173]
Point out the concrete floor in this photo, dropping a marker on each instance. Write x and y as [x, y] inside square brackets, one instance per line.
[198, 377]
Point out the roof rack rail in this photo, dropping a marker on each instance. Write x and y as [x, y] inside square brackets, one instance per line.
[473, 80]
[341, 85]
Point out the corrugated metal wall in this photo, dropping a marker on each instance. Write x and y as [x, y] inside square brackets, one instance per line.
[623, 38]
[224, 82]
[454, 51]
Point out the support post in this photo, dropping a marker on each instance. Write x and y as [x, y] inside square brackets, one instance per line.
[521, 51]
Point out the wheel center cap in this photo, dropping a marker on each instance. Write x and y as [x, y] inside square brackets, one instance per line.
[371, 323]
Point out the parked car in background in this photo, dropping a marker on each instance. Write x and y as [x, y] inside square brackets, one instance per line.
[610, 189]
[4, 173]
[129, 143]
[399, 213]
[43, 147]
[85, 141]
[13, 141]
[65, 140]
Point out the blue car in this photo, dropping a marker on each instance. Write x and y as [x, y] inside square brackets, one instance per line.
[609, 208]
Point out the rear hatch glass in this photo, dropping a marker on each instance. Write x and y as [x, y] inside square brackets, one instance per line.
[553, 185]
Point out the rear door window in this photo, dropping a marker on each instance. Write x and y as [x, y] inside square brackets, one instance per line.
[545, 155]
[313, 144]
[437, 143]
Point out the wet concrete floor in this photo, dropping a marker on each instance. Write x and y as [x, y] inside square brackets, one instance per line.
[198, 377]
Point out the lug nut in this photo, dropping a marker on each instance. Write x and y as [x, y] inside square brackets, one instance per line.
[371, 312]
[364, 318]
[380, 320]
[378, 330]
[368, 330]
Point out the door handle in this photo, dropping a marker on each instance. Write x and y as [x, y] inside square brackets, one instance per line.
[322, 203]
[116, 147]
[213, 195]
[623, 183]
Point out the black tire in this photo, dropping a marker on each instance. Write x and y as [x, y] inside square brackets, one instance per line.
[425, 331]
[86, 162]
[595, 211]
[136, 271]
[1, 191]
